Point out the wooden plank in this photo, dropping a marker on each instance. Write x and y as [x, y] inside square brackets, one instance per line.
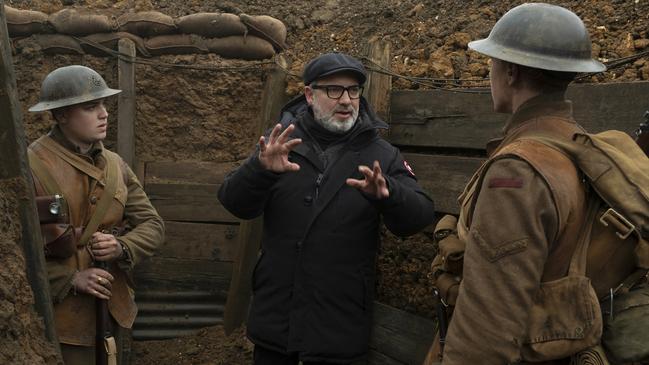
[189, 203]
[435, 118]
[126, 102]
[188, 172]
[199, 241]
[250, 232]
[400, 335]
[443, 177]
[15, 169]
[379, 86]
[159, 273]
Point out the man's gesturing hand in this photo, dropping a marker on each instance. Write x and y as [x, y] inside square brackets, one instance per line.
[273, 155]
[374, 183]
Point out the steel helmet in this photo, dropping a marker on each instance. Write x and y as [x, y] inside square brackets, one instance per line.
[542, 36]
[71, 85]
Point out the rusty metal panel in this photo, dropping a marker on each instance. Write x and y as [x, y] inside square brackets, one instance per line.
[170, 314]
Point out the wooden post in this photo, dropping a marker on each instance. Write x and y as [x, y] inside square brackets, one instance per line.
[13, 159]
[378, 86]
[126, 102]
[238, 301]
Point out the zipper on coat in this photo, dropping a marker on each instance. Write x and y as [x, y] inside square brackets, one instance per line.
[318, 182]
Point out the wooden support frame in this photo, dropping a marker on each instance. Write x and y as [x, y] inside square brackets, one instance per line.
[250, 232]
[126, 102]
[13, 159]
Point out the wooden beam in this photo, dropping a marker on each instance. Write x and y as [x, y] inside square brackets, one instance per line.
[250, 232]
[126, 102]
[379, 86]
[399, 337]
[15, 169]
[189, 203]
[443, 177]
[199, 241]
[436, 118]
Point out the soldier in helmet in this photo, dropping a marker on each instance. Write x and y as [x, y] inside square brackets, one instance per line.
[108, 223]
[523, 210]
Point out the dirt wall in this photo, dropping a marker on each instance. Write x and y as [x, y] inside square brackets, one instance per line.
[22, 338]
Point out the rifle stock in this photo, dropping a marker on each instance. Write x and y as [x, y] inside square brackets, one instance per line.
[103, 329]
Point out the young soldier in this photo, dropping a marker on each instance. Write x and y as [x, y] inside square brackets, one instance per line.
[110, 223]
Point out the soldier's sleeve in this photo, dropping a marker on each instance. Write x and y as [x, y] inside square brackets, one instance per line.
[408, 209]
[514, 221]
[147, 232]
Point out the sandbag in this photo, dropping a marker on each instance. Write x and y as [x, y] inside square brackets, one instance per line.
[176, 44]
[26, 22]
[266, 27]
[211, 25]
[111, 40]
[50, 43]
[70, 21]
[147, 24]
[242, 47]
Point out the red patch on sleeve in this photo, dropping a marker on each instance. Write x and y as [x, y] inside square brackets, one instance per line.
[503, 182]
[407, 166]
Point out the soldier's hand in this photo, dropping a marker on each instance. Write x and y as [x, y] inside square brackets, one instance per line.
[94, 281]
[374, 183]
[273, 154]
[105, 247]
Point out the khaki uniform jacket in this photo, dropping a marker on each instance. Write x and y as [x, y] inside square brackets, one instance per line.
[82, 180]
[520, 217]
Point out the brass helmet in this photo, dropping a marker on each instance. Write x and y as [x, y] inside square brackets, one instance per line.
[71, 85]
[542, 36]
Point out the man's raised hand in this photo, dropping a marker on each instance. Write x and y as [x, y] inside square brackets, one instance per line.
[273, 155]
[374, 183]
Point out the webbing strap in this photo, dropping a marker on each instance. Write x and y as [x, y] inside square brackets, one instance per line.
[111, 350]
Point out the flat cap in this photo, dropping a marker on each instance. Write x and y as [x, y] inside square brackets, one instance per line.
[331, 63]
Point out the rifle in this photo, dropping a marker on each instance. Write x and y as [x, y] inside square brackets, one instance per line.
[105, 345]
[103, 331]
[642, 134]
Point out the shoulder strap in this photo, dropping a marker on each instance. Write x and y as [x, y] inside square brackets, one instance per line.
[112, 173]
[69, 157]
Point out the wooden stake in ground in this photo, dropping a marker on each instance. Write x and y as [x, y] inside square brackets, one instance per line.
[236, 306]
[126, 102]
[13, 165]
[378, 86]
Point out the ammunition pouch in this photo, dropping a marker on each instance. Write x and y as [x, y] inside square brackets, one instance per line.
[61, 240]
[446, 269]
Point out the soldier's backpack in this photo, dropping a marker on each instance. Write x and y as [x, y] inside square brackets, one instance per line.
[617, 171]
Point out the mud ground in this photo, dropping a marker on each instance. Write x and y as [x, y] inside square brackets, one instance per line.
[208, 116]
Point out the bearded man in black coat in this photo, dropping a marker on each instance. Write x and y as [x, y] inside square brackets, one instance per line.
[324, 180]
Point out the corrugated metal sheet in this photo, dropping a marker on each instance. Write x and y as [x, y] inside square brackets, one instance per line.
[169, 314]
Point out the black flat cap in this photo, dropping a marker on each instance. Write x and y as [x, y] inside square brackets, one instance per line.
[331, 63]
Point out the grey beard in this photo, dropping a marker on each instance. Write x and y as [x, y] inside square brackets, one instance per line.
[332, 125]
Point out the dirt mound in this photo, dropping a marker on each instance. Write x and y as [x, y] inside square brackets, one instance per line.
[210, 346]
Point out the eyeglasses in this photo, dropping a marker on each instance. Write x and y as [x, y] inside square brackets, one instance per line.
[337, 91]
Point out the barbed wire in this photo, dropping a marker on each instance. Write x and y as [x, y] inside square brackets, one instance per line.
[458, 85]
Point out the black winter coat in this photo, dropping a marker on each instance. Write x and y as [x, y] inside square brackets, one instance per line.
[313, 284]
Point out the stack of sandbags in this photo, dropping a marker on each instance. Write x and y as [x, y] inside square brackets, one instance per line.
[228, 35]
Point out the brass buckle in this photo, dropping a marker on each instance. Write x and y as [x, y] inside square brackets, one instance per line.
[612, 214]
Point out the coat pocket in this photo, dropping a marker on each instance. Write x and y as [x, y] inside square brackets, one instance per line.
[564, 320]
